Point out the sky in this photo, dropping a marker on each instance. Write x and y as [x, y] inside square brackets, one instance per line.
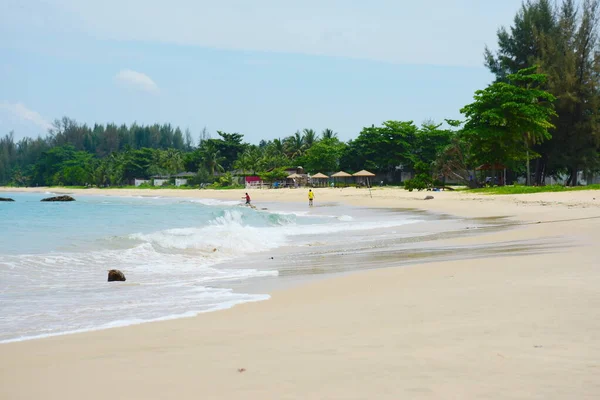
[263, 68]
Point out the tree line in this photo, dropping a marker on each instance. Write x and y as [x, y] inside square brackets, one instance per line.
[76, 154]
[539, 119]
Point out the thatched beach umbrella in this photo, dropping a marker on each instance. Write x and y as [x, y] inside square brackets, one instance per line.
[341, 174]
[365, 174]
[319, 176]
[295, 176]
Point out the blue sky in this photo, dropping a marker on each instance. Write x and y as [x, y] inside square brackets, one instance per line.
[264, 68]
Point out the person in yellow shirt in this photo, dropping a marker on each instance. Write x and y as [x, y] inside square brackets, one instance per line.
[311, 196]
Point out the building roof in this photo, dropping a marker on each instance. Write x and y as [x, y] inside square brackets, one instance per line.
[364, 172]
[341, 174]
[184, 174]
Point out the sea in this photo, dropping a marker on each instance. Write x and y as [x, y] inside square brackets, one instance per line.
[182, 256]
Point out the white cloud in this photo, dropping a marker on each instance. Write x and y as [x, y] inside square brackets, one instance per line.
[20, 111]
[137, 80]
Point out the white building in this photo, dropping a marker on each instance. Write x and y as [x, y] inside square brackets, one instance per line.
[138, 182]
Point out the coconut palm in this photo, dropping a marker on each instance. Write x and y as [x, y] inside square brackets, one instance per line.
[249, 160]
[172, 160]
[294, 145]
[328, 134]
[310, 137]
[212, 158]
[276, 147]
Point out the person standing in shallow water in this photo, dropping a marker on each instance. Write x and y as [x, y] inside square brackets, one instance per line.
[311, 196]
[247, 197]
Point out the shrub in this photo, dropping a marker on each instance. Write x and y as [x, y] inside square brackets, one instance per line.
[419, 182]
[226, 180]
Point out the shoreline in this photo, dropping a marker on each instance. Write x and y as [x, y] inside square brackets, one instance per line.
[470, 328]
[311, 266]
[448, 202]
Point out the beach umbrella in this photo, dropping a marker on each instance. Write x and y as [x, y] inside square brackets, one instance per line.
[295, 176]
[493, 167]
[319, 176]
[341, 174]
[365, 174]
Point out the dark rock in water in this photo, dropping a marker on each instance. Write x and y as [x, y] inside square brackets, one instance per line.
[5, 199]
[59, 198]
[116, 275]
[428, 198]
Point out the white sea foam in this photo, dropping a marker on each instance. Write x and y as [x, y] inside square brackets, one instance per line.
[171, 272]
[225, 237]
[223, 305]
[296, 213]
[68, 292]
[215, 202]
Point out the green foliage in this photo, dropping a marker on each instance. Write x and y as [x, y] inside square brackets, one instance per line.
[211, 156]
[324, 156]
[228, 147]
[202, 177]
[328, 134]
[226, 180]
[63, 166]
[250, 160]
[310, 138]
[519, 189]
[419, 183]
[422, 179]
[455, 160]
[430, 141]
[274, 175]
[294, 146]
[508, 117]
[563, 40]
[381, 149]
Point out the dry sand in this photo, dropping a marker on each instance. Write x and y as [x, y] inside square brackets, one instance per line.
[509, 327]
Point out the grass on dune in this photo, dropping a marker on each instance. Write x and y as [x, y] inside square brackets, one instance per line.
[518, 189]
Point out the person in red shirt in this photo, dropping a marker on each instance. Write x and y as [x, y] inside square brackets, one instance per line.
[247, 199]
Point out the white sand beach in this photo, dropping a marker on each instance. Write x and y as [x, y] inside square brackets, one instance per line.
[508, 326]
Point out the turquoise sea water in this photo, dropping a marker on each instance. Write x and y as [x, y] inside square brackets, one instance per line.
[54, 257]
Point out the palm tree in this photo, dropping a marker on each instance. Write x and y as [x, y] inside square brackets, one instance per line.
[310, 137]
[273, 156]
[328, 134]
[211, 157]
[249, 160]
[276, 147]
[172, 160]
[294, 145]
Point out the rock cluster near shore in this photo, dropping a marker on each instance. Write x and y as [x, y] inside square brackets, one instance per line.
[59, 198]
[6, 199]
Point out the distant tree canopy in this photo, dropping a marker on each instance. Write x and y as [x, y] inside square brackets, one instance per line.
[75, 154]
